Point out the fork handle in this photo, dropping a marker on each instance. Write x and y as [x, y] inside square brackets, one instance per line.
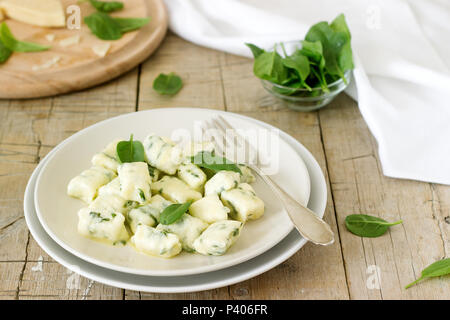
[310, 226]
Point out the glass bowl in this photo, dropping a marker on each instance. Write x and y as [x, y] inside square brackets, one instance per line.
[302, 99]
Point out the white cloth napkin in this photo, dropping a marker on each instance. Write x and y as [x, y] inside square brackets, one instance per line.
[402, 62]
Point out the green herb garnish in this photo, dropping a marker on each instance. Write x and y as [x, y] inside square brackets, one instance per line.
[215, 163]
[367, 226]
[104, 6]
[108, 28]
[167, 84]
[5, 53]
[130, 151]
[321, 58]
[173, 212]
[436, 269]
[10, 42]
[131, 24]
[141, 194]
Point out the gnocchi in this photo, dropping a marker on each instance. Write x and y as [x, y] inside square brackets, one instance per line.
[125, 201]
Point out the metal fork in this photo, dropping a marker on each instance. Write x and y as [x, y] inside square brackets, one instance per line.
[308, 224]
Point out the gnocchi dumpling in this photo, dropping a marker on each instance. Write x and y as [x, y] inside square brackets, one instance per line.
[192, 175]
[192, 148]
[155, 242]
[175, 190]
[246, 174]
[222, 181]
[210, 209]
[162, 154]
[107, 158]
[107, 203]
[147, 214]
[86, 184]
[108, 227]
[243, 203]
[111, 188]
[187, 228]
[135, 181]
[159, 203]
[218, 237]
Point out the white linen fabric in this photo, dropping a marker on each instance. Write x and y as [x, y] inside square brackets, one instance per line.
[402, 62]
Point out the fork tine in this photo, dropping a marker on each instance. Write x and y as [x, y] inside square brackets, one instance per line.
[218, 144]
[249, 149]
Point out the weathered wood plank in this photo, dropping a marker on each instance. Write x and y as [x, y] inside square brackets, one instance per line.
[198, 67]
[200, 70]
[50, 280]
[30, 128]
[359, 186]
[314, 272]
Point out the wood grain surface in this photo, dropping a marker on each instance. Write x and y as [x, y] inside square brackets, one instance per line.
[336, 135]
[79, 67]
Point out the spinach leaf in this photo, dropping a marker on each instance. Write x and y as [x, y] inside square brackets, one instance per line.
[300, 64]
[367, 226]
[131, 24]
[255, 50]
[168, 84]
[269, 66]
[436, 269]
[212, 162]
[11, 43]
[5, 53]
[345, 58]
[173, 212]
[103, 26]
[335, 40]
[104, 6]
[130, 151]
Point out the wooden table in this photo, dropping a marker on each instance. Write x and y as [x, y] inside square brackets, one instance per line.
[337, 136]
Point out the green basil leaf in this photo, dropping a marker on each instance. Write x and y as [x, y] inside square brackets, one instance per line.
[103, 26]
[130, 151]
[168, 84]
[173, 212]
[215, 163]
[10, 42]
[436, 269]
[5, 53]
[131, 24]
[255, 50]
[367, 226]
[104, 6]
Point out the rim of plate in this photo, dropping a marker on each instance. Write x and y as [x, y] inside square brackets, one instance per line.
[145, 272]
[102, 275]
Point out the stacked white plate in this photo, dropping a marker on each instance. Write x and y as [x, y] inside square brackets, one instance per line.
[263, 244]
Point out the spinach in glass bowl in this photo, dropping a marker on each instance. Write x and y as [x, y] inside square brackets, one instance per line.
[309, 73]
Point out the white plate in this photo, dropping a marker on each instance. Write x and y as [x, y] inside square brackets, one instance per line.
[211, 280]
[58, 213]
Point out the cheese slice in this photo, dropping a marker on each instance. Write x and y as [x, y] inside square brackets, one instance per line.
[50, 37]
[47, 64]
[101, 49]
[43, 13]
[70, 41]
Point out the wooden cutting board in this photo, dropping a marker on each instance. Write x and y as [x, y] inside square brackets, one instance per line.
[79, 67]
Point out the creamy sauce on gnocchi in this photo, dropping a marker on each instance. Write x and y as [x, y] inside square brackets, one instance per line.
[124, 201]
